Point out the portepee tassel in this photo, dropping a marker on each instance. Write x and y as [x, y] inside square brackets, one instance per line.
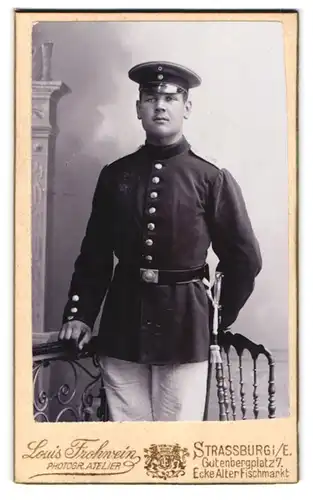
[215, 352]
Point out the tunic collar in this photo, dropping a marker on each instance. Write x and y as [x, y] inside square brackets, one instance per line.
[165, 152]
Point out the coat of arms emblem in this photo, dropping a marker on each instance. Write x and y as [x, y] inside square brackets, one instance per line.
[164, 461]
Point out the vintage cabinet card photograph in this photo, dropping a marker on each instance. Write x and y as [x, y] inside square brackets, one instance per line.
[155, 247]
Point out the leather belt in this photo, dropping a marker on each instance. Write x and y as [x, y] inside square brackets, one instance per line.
[170, 277]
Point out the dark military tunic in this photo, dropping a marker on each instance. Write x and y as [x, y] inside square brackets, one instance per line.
[161, 208]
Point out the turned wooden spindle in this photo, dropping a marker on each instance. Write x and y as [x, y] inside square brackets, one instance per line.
[226, 401]
[271, 390]
[231, 387]
[220, 392]
[242, 391]
[255, 390]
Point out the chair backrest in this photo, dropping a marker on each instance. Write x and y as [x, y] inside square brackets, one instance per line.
[244, 365]
[67, 383]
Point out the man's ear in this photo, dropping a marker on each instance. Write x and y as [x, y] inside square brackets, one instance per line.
[188, 108]
[138, 108]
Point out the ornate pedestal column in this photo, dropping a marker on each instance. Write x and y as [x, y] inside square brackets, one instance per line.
[45, 96]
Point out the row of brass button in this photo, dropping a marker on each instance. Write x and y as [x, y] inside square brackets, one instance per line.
[75, 298]
[152, 210]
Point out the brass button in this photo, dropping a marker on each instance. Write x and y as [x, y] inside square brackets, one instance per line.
[149, 258]
[75, 298]
[149, 242]
[74, 310]
[155, 180]
[151, 226]
[158, 166]
[153, 194]
[152, 210]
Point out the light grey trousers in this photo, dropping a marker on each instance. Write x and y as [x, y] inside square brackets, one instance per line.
[139, 392]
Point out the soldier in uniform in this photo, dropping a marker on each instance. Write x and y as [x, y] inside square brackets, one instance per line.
[158, 210]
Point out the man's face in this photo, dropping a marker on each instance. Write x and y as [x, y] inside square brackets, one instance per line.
[162, 115]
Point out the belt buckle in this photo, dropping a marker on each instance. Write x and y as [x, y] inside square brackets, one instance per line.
[149, 275]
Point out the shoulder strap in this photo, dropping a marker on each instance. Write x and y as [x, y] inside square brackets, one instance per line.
[208, 159]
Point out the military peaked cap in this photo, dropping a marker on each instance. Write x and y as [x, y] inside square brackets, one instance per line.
[164, 77]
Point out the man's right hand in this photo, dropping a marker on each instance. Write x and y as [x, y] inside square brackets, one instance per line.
[76, 330]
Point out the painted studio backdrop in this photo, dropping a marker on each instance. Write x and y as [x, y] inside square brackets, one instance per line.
[238, 122]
